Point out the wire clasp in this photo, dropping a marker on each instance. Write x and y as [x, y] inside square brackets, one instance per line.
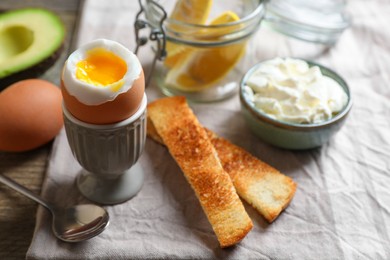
[157, 33]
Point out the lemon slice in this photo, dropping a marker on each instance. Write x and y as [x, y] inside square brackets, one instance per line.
[189, 11]
[201, 68]
[174, 53]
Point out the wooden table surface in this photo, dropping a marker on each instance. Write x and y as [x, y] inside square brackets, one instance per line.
[17, 213]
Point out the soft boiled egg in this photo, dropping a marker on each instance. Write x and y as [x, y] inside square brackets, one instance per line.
[102, 82]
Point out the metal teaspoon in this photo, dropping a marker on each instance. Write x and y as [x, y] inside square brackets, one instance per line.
[73, 224]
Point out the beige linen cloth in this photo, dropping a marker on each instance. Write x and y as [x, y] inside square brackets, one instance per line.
[341, 209]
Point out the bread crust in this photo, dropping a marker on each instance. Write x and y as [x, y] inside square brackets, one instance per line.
[258, 183]
[188, 143]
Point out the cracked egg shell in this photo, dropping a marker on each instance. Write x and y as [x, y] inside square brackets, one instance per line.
[102, 83]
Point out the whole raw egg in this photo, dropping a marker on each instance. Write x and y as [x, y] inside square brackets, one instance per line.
[102, 82]
[30, 114]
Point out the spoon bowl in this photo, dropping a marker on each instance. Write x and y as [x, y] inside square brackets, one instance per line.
[79, 222]
[73, 224]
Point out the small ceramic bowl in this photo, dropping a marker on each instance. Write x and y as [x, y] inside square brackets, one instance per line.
[293, 135]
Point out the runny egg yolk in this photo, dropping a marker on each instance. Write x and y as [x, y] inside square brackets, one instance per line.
[101, 68]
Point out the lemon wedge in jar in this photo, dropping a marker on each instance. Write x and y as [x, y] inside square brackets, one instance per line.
[198, 69]
[188, 11]
[191, 11]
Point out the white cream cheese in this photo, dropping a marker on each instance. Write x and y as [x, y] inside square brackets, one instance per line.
[291, 91]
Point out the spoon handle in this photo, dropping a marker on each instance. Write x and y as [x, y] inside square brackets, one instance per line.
[16, 186]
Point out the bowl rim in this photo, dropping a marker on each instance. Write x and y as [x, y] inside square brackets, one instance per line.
[296, 126]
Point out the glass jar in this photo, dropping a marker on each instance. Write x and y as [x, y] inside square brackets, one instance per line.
[202, 59]
[320, 21]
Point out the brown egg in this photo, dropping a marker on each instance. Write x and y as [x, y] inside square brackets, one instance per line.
[30, 114]
[102, 83]
[121, 108]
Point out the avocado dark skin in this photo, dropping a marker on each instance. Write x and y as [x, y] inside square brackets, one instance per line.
[32, 72]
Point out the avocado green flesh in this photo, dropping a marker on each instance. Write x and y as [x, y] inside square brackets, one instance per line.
[27, 38]
[14, 40]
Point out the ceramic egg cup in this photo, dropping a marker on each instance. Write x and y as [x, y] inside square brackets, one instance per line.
[108, 155]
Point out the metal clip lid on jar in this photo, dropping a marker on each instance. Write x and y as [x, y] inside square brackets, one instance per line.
[204, 70]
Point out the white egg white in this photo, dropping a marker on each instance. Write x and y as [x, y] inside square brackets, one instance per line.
[90, 94]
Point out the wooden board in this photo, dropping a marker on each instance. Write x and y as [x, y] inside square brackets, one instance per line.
[17, 213]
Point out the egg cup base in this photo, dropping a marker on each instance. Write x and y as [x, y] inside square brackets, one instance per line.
[108, 156]
[111, 191]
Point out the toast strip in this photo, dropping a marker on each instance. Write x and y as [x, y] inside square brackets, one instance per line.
[259, 184]
[188, 143]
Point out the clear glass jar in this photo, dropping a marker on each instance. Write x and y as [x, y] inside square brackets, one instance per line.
[201, 58]
[320, 21]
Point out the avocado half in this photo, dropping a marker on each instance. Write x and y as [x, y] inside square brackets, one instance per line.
[31, 40]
